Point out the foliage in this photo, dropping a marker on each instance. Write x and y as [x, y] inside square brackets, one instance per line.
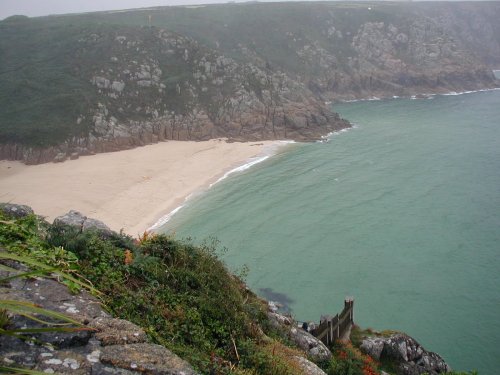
[47, 63]
[270, 358]
[348, 360]
[21, 236]
[25, 236]
[182, 295]
[23, 239]
[19, 371]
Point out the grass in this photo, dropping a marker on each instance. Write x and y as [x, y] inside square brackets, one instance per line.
[182, 295]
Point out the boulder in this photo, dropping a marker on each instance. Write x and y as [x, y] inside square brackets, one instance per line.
[145, 358]
[15, 210]
[117, 331]
[108, 346]
[82, 223]
[304, 340]
[310, 344]
[118, 86]
[373, 347]
[309, 367]
[407, 353]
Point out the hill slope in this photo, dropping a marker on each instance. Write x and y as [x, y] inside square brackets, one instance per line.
[113, 80]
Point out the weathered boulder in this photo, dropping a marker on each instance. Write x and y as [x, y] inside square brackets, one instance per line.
[310, 344]
[15, 210]
[309, 367]
[411, 357]
[117, 331]
[145, 358]
[108, 346]
[314, 348]
[81, 223]
[373, 347]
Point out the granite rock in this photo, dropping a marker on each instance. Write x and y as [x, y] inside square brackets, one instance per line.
[410, 356]
[314, 348]
[107, 346]
[81, 223]
[15, 210]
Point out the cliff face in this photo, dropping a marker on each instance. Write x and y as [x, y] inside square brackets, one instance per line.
[108, 81]
[411, 49]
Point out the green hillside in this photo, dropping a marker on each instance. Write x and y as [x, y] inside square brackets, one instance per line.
[111, 80]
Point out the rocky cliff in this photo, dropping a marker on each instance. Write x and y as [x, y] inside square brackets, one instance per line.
[133, 325]
[79, 84]
[205, 315]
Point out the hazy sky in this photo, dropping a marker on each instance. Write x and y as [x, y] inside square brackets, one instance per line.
[44, 7]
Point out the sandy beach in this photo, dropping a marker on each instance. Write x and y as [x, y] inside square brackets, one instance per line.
[129, 190]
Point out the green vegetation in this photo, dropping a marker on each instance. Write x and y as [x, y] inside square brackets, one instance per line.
[182, 296]
[348, 360]
[47, 64]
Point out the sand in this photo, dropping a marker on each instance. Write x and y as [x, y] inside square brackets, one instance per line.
[129, 190]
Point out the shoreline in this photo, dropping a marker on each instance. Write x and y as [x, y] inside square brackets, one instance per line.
[267, 152]
[429, 95]
[132, 189]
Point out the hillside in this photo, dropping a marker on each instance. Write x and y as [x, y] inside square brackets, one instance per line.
[157, 305]
[79, 84]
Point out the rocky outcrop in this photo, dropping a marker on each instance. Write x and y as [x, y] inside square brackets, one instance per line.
[309, 367]
[407, 353]
[15, 210]
[313, 347]
[81, 223]
[217, 97]
[149, 84]
[106, 346]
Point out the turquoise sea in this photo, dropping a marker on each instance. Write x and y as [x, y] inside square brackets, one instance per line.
[402, 212]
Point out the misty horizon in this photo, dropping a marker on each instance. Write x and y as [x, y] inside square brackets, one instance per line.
[52, 7]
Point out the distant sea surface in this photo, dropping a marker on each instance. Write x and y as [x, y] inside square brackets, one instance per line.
[402, 212]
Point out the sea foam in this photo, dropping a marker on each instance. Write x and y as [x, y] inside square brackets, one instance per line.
[269, 151]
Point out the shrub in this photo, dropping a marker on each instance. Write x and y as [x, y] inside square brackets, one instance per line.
[348, 360]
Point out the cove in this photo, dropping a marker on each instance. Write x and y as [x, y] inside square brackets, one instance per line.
[401, 212]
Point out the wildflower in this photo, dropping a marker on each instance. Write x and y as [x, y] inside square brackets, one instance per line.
[129, 258]
[343, 355]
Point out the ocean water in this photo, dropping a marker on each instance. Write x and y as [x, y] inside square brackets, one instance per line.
[402, 212]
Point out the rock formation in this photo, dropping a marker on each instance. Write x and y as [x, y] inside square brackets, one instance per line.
[110, 346]
[110, 84]
[407, 353]
[304, 340]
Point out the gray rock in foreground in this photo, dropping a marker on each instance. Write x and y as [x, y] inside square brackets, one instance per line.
[309, 367]
[110, 346]
[304, 340]
[412, 358]
[145, 358]
[82, 223]
[15, 210]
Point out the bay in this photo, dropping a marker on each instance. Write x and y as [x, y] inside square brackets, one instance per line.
[402, 212]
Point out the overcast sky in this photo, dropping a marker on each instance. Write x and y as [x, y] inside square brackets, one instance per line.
[44, 7]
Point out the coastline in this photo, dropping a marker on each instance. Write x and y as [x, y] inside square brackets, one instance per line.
[429, 95]
[268, 150]
[130, 190]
